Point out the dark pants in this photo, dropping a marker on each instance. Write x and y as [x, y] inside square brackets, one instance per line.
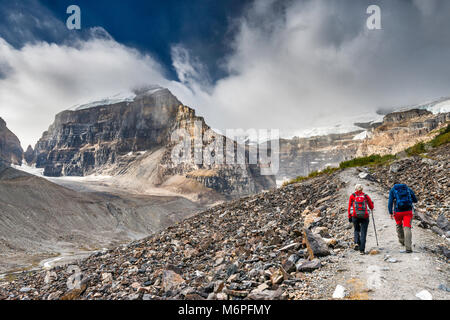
[360, 225]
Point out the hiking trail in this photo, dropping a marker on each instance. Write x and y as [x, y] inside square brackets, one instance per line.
[389, 274]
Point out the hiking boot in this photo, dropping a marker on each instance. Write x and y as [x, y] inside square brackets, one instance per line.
[356, 247]
[362, 253]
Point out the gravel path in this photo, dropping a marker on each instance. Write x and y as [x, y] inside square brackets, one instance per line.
[389, 274]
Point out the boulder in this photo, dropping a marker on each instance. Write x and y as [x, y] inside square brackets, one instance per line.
[171, 280]
[425, 222]
[289, 266]
[316, 246]
[444, 250]
[339, 292]
[265, 295]
[310, 218]
[424, 295]
[395, 167]
[322, 231]
[308, 266]
[442, 223]
[75, 293]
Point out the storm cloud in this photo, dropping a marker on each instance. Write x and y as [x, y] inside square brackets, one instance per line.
[292, 65]
[314, 63]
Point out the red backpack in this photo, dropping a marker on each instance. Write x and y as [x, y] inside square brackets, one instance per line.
[360, 205]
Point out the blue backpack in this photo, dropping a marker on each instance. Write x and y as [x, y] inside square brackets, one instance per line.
[403, 200]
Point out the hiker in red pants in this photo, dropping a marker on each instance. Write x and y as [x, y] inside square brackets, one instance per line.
[402, 197]
[358, 214]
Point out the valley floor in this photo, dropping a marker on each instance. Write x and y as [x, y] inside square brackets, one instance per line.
[54, 221]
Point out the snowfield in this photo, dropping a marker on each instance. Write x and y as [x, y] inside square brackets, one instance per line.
[360, 136]
[125, 96]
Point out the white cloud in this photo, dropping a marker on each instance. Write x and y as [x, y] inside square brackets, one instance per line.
[426, 7]
[310, 64]
[315, 64]
[43, 79]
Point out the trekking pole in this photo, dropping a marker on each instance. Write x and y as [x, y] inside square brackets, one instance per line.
[374, 228]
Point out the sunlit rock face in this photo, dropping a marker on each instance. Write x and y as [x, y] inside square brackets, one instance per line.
[133, 137]
[397, 132]
[401, 130]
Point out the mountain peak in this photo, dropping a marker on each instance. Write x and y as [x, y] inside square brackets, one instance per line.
[123, 96]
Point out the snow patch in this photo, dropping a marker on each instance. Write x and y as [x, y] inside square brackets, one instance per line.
[441, 107]
[341, 127]
[149, 90]
[29, 169]
[117, 98]
[124, 96]
[361, 136]
[90, 178]
[40, 173]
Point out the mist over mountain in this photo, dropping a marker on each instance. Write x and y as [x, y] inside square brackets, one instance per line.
[314, 62]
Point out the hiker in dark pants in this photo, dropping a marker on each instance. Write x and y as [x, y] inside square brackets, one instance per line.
[400, 205]
[358, 214]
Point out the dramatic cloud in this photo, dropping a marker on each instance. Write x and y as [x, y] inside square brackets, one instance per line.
[294, 65]
[314, 63]
[40, 80]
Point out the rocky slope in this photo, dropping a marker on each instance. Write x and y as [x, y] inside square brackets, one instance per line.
[132, 139]
[258, 247]
[39, 219]
[398, 131]
[300, 156]
[429, 177]
[401, 130]
[290, 243]
[10, 149]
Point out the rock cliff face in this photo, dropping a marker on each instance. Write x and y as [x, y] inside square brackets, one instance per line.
[430, 180]
[300, 156]
[10, 149]
[397, 117]
[29, 154]
[401, 130]
[397, 132]
[80, 142]
[133, 139]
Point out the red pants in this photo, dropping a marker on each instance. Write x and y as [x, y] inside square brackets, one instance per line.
[403, 218]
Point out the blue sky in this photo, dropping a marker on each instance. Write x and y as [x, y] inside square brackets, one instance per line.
[299, 66]
[205, 26]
